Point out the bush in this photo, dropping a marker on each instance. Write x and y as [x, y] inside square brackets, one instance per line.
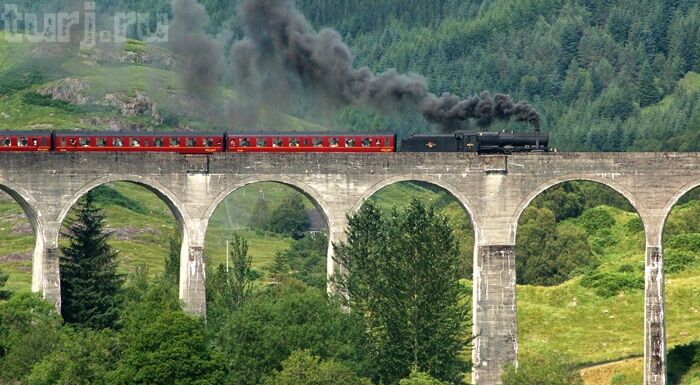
[676, 261]
[593, 220]
[608, 284]
[301, 368]
[686, 242]
[634, 225]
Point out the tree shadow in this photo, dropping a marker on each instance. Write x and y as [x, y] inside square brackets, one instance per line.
[681, 359]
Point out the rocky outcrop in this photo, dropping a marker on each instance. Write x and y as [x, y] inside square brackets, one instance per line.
[72, 91]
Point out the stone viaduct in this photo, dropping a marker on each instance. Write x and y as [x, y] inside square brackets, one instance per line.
[494, 190]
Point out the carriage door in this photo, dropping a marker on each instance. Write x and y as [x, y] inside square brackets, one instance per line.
[460, 142]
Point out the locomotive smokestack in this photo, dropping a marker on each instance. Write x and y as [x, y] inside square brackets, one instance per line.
[280, 43]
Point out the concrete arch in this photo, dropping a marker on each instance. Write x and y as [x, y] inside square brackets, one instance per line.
[513, 228]
[302, 187]
[666, 211]
[171, 200]
[33, 213]
[461, 198]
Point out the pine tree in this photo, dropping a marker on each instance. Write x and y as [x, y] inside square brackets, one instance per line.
[648, 93]
[172, 261]
[90, 285]
[403, 274]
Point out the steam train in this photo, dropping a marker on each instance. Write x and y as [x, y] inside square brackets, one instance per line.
[504, 142]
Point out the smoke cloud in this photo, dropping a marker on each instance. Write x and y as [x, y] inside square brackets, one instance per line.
[281, 52]
[189, 40]
[279, 39]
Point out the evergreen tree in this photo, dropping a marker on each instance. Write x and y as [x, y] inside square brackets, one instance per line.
[90, 285]
[172, 261]
[4, 294]
[228, 287]
[648, 93]
[403, 274]
[261, 214]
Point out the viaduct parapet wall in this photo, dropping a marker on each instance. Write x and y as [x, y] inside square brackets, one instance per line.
[494, 190]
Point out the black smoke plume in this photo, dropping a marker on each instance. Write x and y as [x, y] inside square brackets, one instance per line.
[189, 40]
[280, 42]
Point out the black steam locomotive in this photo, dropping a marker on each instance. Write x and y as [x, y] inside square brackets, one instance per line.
[504, 142]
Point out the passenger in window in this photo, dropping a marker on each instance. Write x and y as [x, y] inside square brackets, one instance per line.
[318, 142]
[209, 142]
[378, 143]
[135, 143]
[349, 142]
[118, 142]
[277, 143]
[294, 142]
[366, 142]
[34, 142]
[158, 142]
[72, 142]
[23, 142]
[6, 141]
[334, 142]
[245, 142]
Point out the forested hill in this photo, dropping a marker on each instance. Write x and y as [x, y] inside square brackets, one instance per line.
[606, 75]
[596, 70]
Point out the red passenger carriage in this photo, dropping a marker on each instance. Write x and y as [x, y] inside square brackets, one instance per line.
[180, 142]
[13, 141]
[305, 142]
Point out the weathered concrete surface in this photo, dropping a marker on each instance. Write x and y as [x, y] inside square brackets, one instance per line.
[654, 339]
[493, 189]
[496, 342]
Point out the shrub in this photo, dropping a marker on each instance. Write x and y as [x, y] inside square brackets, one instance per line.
[608, 284]
[687, 242]
[634, 225]
[593, 220]
[676, 261]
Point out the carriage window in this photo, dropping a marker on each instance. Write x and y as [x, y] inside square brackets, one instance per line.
[366, 142]
[318, 142]
[260, 142]
[63, 142]
[44, 142]
[208, 142]
[6, 141]
[23, 142]
[35, 142]
[84, 142]
[378, 142]
[158, 142]
[334, 142]
[387, 143]
[294, 142]
[245, 142]
[174, 142]
[118, 142]
[145, 142]
[277, 142]
[350, 142]
[133, 142]
[190, 142]
[100, 142]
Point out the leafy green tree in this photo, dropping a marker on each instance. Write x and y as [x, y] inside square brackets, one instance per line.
[305, 260]
[403, 274]
[301, 368]
[648, 93]
[169, 349]
[418, 378]
[84, 357]
[266, 329]
[289, 217]
[90, 285]
[30, 329]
